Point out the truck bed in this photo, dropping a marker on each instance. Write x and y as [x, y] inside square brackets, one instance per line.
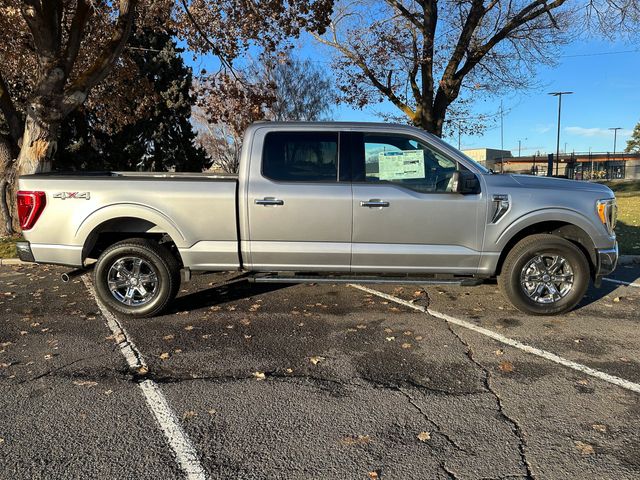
[196, 210]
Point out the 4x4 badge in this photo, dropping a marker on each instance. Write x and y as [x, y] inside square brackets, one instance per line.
[78, 195]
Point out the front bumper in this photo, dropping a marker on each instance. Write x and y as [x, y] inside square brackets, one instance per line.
[606, 261]
[24, 251]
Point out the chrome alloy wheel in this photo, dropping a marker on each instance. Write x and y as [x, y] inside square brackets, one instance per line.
[546, 278]
[132, 281]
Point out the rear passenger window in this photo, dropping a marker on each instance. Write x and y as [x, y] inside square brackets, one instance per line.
[301, 156]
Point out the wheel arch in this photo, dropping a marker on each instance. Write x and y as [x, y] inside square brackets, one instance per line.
[561, 228]
[110, 225]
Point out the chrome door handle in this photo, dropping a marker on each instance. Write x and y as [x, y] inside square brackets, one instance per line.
[269, 201]
[374, 203]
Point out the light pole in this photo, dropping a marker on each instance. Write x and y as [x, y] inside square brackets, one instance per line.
[559, 95]
[615, 137]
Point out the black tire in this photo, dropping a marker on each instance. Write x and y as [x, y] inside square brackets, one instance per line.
[522, 263]
[160, 265]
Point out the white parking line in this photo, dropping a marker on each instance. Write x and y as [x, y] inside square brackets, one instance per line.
[620, 282]
[177, 439]
[621, 382]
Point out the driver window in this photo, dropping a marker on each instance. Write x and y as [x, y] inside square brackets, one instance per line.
[407, 162]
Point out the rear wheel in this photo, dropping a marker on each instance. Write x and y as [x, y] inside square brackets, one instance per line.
[137, 277]
[544, 275]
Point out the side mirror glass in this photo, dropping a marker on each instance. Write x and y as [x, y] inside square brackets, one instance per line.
[466, 182]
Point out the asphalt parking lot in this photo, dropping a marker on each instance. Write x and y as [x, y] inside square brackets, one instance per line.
[316, 382]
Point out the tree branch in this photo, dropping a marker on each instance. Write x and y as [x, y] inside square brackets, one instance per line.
[359, 61]
[528, 13]
[80, 18]
[397, 4]
[77, 93]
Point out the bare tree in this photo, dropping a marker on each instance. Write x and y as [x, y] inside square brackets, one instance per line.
[424, 55]
[279, 89]
[301, 90]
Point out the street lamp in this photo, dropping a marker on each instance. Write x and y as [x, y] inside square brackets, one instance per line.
[559, 95]
[615, 137]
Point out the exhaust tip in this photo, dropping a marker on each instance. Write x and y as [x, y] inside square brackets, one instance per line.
[65, 278]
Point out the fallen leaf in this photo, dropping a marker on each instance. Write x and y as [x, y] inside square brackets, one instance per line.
[506, 366]
[584, 448]
[188, 327]
[208, 335]
[599, 427]
[168, 337]
[418, 338]
[499, 352]
[177, 350]
[388, 330]
[617, 299]
[355, 440]
[213, 411]
[424, 436]
[85, 383]
[316, 360]
[245, 321]
[406, 345]
[189, 414]
[289, 370]
[164, 356]
[108, 392]
[390, 339]
[583, 382]
[408, 333]
[361, 326]
[373, 475]
[143, 370]
[259, 375]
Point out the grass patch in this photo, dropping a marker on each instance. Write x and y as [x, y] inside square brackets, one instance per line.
[8, 247]
[628, 228]
[628, 188]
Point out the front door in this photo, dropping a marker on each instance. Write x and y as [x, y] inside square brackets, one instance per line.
[406, 218]
[299, 212]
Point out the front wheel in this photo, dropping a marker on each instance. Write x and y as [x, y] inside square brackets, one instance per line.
[137, 277]
[544, 275]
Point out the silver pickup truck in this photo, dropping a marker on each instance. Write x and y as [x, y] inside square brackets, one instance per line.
[325, 202]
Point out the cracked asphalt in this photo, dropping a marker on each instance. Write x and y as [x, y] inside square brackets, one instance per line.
[317, 382]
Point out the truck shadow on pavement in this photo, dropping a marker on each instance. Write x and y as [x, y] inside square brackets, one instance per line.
[239, 288]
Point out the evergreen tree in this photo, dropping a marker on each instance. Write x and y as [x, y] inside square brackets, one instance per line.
[633, 144]
[162, 139]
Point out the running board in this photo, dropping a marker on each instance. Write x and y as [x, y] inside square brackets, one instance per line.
[275, 278]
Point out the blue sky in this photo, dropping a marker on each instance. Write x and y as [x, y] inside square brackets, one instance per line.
[607, 94]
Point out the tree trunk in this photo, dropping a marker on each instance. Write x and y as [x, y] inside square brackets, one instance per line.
[8, 218]
[39, 144]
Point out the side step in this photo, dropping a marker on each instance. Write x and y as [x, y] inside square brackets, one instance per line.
[283, 278]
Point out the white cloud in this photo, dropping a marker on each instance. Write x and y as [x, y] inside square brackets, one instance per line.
[540, 128]
[596, 132]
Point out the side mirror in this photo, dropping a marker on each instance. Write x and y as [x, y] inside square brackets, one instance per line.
[466, 182]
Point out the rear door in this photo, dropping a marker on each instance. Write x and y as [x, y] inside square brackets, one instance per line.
[300, 214]
[406, 218]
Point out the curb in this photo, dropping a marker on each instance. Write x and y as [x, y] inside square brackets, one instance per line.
[13, 261]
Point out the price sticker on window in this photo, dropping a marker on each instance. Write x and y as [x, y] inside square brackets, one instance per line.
[401, 165]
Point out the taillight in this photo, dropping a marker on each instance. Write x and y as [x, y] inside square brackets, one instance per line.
[30, 206]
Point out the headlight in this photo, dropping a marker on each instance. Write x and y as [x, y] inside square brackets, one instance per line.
[608, 213]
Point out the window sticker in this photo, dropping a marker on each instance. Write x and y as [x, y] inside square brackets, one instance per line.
[401, 165]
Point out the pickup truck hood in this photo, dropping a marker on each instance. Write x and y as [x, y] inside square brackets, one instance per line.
[530, 181]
